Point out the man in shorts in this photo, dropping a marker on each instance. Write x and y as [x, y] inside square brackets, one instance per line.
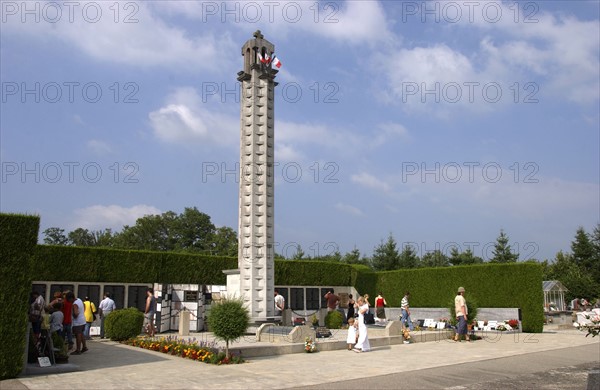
[149, 313]
[78, 323]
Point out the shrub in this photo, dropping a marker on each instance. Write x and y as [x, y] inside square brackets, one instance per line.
[334, 320]
[228, 319]
[124, 324]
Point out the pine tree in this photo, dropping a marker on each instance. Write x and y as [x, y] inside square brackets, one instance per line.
[385, 256]
[583, 250]
[435, 259]
[409, 258]
[463, 258]
[502, 252]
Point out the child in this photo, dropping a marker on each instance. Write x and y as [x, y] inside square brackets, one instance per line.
[352, 333]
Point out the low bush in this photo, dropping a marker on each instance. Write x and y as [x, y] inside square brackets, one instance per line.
[334, 320]
[124, 324]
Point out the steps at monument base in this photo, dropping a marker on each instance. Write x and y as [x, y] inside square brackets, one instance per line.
[279, 344]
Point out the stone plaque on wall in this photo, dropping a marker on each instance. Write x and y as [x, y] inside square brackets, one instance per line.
[343, 300]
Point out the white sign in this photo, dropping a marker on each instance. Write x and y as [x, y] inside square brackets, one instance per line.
[44, 361]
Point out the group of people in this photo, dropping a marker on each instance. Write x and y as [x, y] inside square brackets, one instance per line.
[68, 316]
[358, 339]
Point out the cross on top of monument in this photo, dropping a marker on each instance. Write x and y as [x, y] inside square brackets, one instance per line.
[258, 35]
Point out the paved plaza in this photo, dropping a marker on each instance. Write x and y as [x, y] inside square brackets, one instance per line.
[550, 360]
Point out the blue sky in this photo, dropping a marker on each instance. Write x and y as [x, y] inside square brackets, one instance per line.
[438, 122]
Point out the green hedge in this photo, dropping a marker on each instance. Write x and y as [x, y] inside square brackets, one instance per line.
[18, 237]
[364, 279]
[491, 285]
[86, 264]
[312, 273]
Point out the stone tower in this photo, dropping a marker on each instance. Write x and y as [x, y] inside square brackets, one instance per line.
[256, 191]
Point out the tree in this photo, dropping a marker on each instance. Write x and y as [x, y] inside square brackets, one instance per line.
[55, 236]
[583, 251]
[385, 256]
[502, 252]
[299, 255]
[193, 231]
[104, 238]
[409, 258]
[225, 242]
[190, 231]
[228, 319]
[463, 258]
[435, 259]
[81, 237]
[579, 283]
[595, 266]
[354, 257]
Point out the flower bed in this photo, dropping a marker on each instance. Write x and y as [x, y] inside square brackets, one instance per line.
[190, 349]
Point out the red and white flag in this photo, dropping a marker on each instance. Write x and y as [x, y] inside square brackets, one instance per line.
[276, 61]
[262, 59]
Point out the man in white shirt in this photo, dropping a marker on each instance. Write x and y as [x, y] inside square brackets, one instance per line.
[106, 306]
[406, 321]
[78, 323]
[279, 304]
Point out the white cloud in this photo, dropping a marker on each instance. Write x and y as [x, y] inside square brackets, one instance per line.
[113, 216]
[350, 22]
[348, 209]
[144, 41]
[285, 152]
[370, 181]
[98, 147]
[557, 56]
[185, 119]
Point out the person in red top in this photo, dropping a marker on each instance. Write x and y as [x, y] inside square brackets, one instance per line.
[68, 319]
[332, 300]
[380, 304]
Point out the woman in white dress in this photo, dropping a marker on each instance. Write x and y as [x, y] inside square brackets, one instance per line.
[362, 345]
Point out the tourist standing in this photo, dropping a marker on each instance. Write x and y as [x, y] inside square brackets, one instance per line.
[78, 323]
[58, 297]
[68, 318]
[106, 306]
[351, 303]
[90, 311]
[150, 311]
[460, 307]
[279, 303]
[332, 300]
[36, 310]
[404, 305]
[380, 304]
[362, 345]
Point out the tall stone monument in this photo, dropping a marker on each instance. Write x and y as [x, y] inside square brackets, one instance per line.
[253, 281]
